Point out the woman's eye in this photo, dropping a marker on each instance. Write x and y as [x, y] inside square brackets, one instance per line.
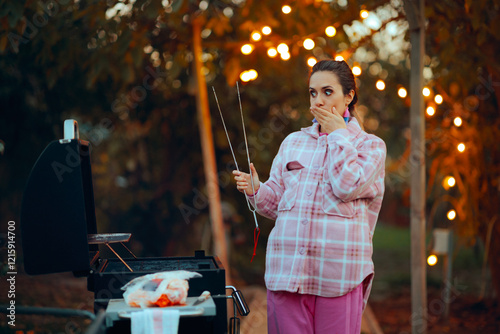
[328, 92]
[313, 94]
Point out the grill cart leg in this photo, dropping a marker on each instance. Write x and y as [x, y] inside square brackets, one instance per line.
[234, 322]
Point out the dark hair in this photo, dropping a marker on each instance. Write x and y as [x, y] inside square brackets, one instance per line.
[346, 80]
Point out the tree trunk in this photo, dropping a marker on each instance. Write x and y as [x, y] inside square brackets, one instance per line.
[415, 14]
[493, 258]
[208, 151]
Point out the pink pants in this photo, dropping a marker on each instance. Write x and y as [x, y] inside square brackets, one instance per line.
[290, 313]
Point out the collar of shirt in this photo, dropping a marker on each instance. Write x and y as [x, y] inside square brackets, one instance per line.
[352, 127]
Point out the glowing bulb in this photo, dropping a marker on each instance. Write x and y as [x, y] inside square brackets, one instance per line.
[451, 181]
[364, 14]
[285, 55]
[457, 121]
[448, 182]
[402, 92]
[461, 147]
[272, 52]
[330, 31]
[246, 76]
[430, 111]
[426, 91]
[380, 85]
[311, 61]
[309, 44]
[356, 70]
[286, 9]
[452, 214]
[253, 74]
[438, 99]
[283, 48]
[256, 36]
[339, 58]
[246, 49]
[266, 30]
[432, 260]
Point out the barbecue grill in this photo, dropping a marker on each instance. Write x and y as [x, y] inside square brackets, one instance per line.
[59, 234]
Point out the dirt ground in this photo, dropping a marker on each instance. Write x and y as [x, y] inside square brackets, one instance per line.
[393, 313]
[467, 314]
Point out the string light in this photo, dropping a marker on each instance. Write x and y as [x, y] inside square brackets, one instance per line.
[330, 31]
[339, 58]
[247, 49]
[430, 111]
[266, 30]
[457, 121]
[461, 147]
[450, 180]
[432, 260]
[356, 70]
[283, 48]
[311, 61]
[256, 36]
[426, 92]
[452, 214]
[286, 9]
[308, 44]
[272, 52]
[285, 55]
[402, 93]
[249, 75]
[364, 14]
[380, 84]
[438, 99]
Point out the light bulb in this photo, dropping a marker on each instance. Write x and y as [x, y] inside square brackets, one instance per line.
[402, 93]
[309, 44]
[247, 49]
[432, 260]
[330, 31]
[380, 85]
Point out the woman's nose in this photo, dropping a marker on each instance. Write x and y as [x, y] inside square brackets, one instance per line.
[318, 102]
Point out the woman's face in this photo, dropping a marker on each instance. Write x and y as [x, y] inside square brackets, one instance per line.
[326, 92]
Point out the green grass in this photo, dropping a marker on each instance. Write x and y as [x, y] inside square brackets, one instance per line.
[392, 259]
[391, 238]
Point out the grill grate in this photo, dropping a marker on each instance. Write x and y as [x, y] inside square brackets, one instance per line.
[160, 265]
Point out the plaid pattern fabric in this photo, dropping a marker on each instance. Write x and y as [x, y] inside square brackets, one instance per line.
[325, 193]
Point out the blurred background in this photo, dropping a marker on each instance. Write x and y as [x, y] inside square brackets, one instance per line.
[125, 70]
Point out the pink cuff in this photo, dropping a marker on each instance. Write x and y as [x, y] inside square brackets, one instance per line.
[254, 193]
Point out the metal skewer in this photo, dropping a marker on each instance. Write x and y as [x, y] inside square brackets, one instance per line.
[252, 209]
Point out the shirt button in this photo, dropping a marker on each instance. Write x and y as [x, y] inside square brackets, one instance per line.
[323, 144]
[304, 221]
[308, 193]
[316, 166]
[302, 251]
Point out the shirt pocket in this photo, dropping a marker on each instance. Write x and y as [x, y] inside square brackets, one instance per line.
[291, 180]
[330, 203]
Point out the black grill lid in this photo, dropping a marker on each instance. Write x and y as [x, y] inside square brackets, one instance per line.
[58, 211]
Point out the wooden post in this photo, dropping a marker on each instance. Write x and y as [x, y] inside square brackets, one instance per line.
[208, 151]
[415, 14]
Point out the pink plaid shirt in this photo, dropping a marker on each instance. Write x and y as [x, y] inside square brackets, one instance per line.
[325, 193]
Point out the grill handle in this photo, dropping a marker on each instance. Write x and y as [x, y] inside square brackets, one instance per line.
[239, 301]
[71, 129]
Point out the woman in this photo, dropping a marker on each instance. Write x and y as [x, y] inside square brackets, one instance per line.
[325, 192]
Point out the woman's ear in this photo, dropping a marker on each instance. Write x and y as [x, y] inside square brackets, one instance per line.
[350, 96]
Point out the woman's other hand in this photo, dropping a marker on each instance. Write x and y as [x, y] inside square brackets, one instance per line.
[243, 181]
[329, 120]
